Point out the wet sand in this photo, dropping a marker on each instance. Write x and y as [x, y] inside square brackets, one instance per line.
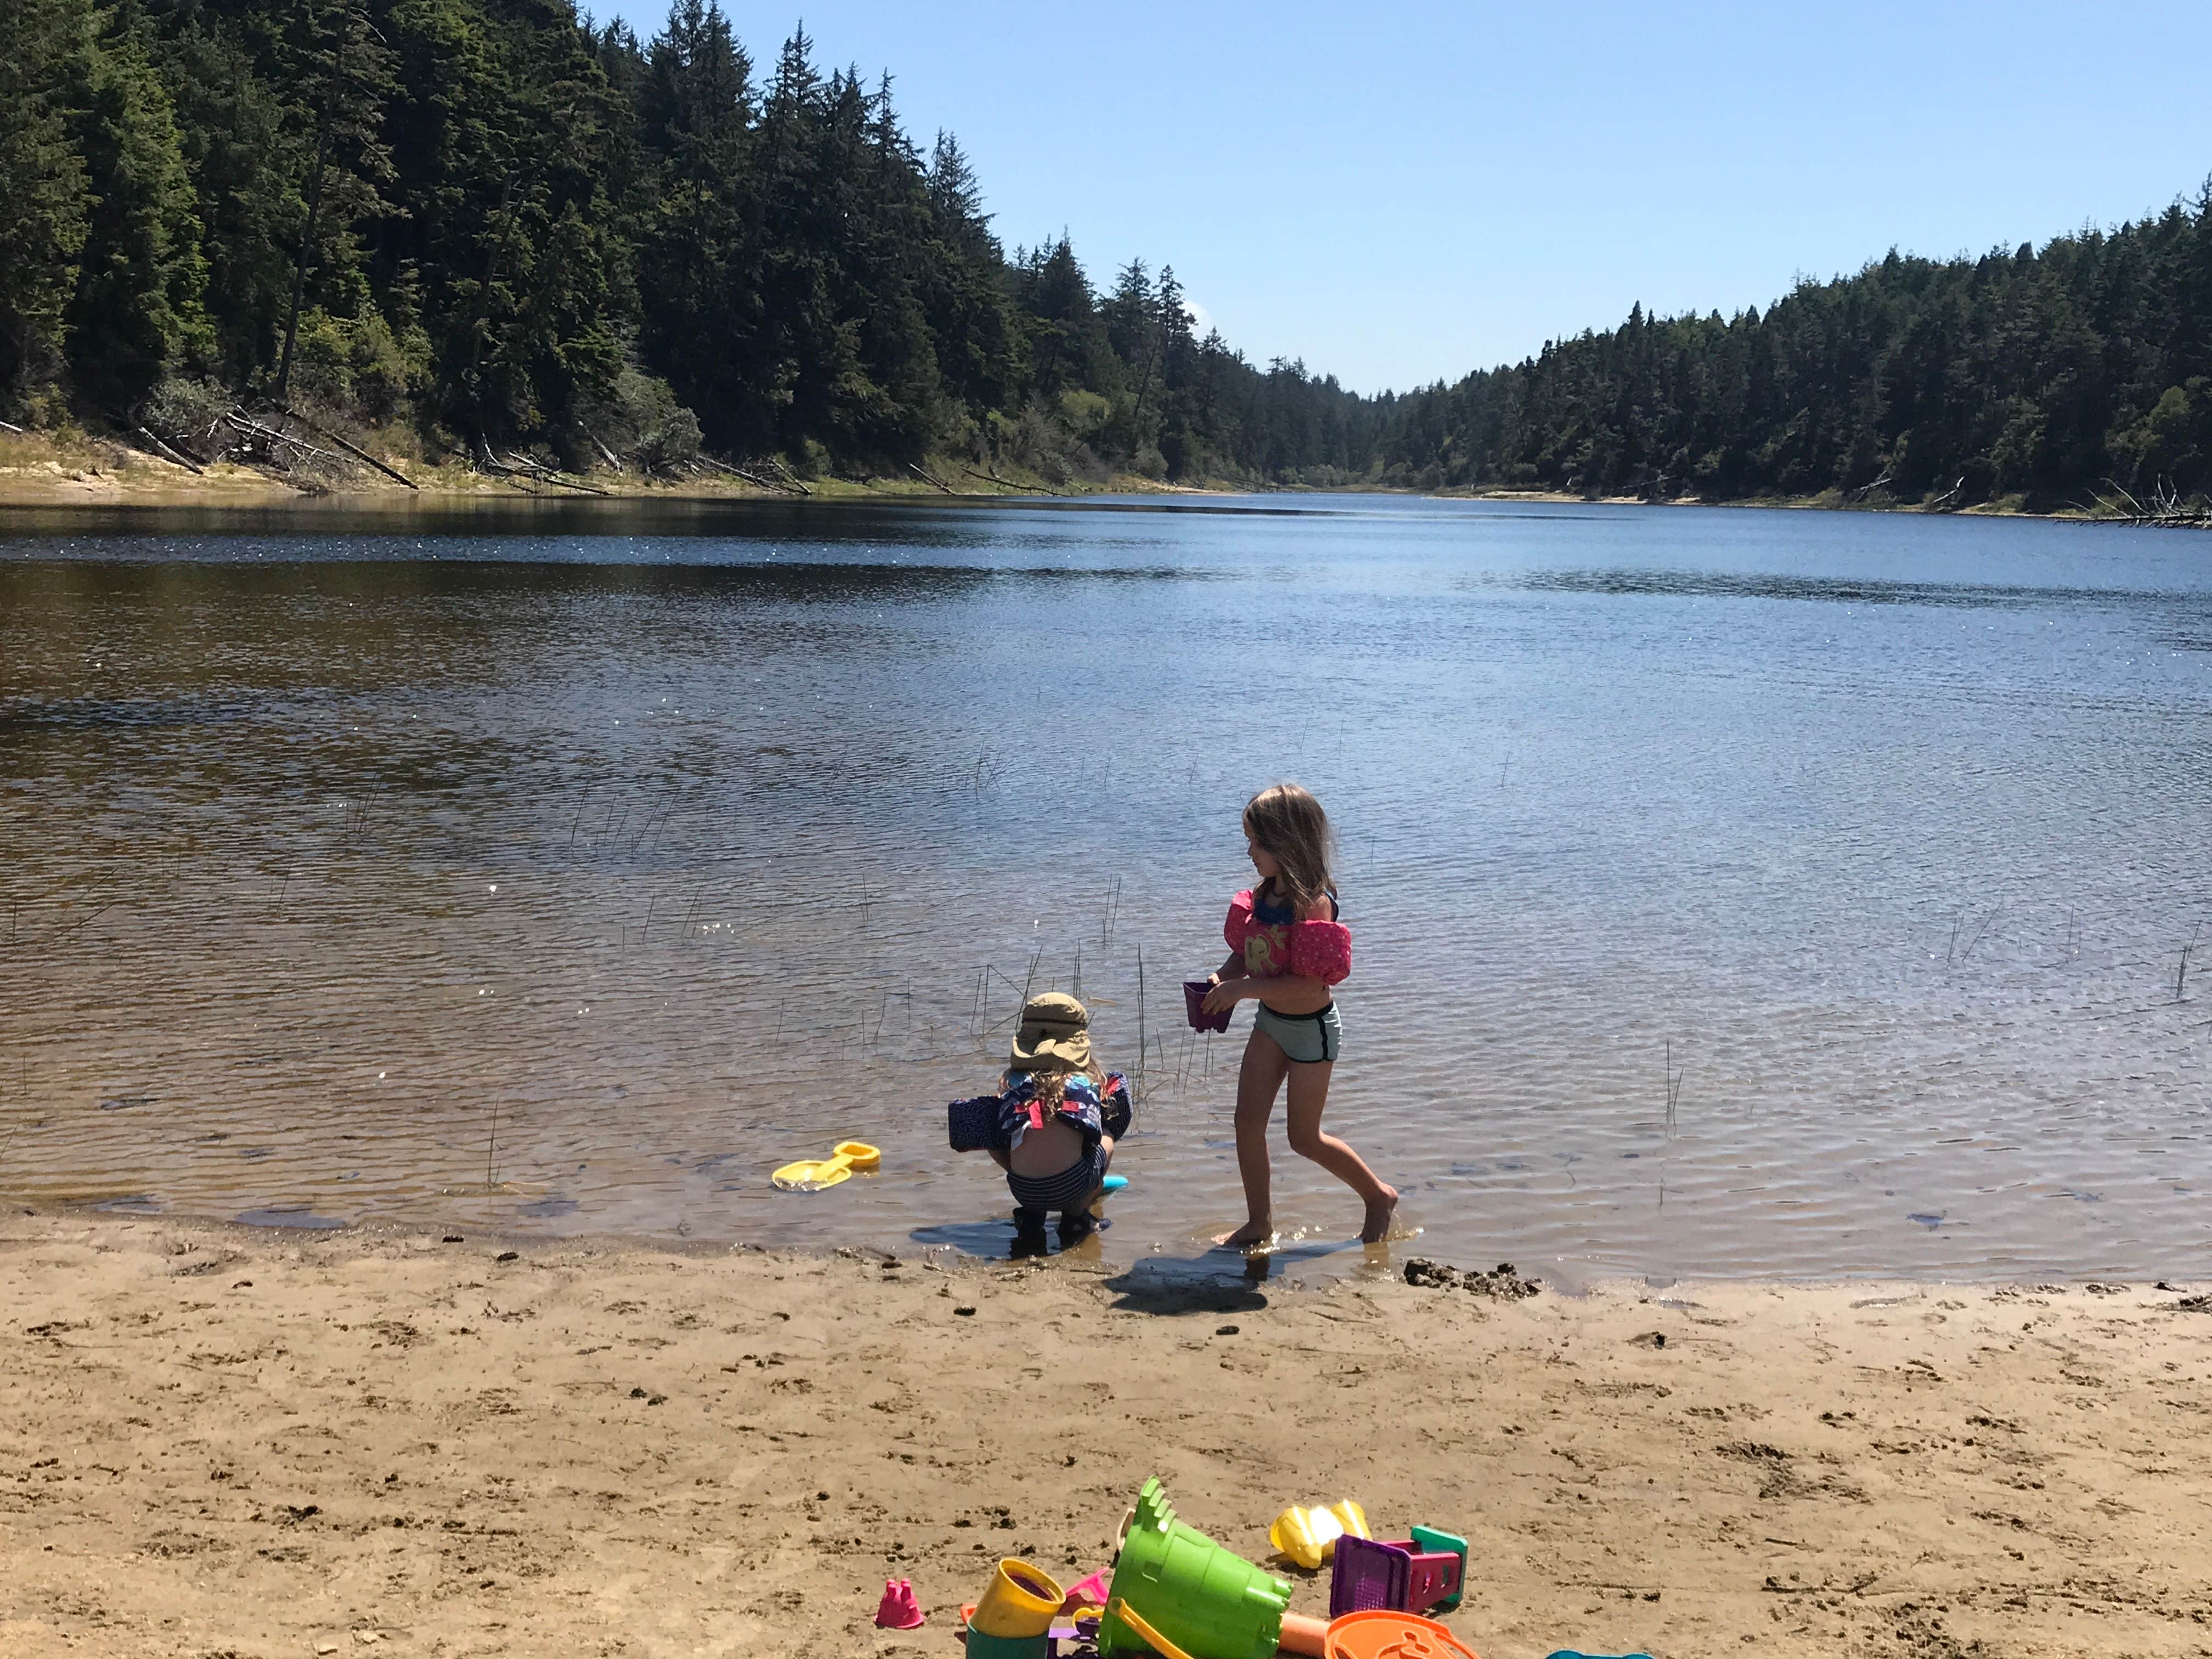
[218, 1441]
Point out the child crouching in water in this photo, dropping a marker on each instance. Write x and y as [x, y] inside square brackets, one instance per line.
[1058, 1116]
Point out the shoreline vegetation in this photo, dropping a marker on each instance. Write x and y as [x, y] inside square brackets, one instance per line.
[494, 237]
[226, 1440]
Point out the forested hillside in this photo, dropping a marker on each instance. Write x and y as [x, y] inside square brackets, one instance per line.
[462, 225]
[474, 222]
[2050, 376]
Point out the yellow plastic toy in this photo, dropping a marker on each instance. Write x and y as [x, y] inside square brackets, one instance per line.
[812, 1174]
[1308, 1536]
[1021, 1600]
[1146, 1633]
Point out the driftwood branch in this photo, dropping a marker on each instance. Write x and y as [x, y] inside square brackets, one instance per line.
[2165, 510]
[521, 467]
[168, 453]
[759, 481]
[9, 426]
[570, 483]
[927, 479]
[788, 476]
[1004, 483]
[241, 422]
[357, 453]
[767, 482]
[605, 454]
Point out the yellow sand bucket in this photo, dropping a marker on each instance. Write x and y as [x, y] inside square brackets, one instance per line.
[1020, 1600]
[812, 1174]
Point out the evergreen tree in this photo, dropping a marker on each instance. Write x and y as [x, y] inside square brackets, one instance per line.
[341, 75]
[1068, 340]
[135, 312]
[45, 46]
[240, 141]
[698, 253]
[966, 292]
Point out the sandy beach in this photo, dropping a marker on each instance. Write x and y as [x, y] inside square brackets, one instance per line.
[253, 1444]
[38, 470]
[41, 469]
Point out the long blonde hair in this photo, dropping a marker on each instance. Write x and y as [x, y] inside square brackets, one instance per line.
[1287, 822]
[1049, 1088]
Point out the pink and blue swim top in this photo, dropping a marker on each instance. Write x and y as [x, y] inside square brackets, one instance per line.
[1274, 942]
[1001, 1121]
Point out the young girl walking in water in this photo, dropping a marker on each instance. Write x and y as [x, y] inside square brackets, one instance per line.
[1286, 949]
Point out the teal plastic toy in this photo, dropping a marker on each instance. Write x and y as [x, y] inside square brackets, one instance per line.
[981, 1646]
[1445, 1543]
[1207, 1601]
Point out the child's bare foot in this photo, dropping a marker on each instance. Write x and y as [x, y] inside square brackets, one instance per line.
[1377, 1228]
[1252, 1232]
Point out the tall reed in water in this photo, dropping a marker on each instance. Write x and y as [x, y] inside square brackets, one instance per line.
[1140, 1018]
[23, 1094]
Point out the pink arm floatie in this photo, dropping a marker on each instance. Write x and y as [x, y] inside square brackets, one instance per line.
[1239, 925]
[1322, 951]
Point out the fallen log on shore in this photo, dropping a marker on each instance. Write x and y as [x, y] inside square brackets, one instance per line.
[168, 453]
[358, 453]
[1008, 484]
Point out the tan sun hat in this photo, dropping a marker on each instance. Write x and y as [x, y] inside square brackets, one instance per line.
[1055, 1032]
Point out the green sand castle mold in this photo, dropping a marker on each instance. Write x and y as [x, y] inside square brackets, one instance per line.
[1209, 1603]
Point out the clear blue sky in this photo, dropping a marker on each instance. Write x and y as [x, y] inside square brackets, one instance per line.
[1402, 193]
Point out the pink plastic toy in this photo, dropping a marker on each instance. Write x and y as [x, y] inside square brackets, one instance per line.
[1088, 1594]
[1092, 1592]
[898, 1610]
[1393, 1573]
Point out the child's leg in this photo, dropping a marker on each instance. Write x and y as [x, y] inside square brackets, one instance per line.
[1309, 1095]
[1258, 1079]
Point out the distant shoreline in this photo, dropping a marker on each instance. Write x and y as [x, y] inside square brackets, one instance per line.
[38, 470]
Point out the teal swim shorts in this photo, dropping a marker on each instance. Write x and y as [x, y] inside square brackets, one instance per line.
[1308, 1039]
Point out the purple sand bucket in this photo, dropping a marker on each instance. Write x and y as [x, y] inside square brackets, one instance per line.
[1367, 1575]
[1193, 997]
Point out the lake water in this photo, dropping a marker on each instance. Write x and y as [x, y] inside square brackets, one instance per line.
[1734, 892]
